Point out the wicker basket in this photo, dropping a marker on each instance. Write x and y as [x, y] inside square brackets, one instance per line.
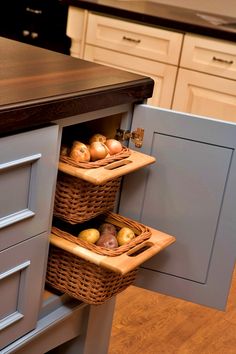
[77, 200]
[96, 164]
[85, 280]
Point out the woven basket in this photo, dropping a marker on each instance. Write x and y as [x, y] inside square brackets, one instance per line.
[77, 200]
[84, 280]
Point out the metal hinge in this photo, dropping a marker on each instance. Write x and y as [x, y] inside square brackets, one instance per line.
[135, 136]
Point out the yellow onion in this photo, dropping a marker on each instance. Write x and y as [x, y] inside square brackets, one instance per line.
[114, 146]
[79, 152]
[97, 137]
[98, 151]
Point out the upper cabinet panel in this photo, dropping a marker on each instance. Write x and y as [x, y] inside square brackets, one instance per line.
[135, 39]
[27, 174]
[209, 55]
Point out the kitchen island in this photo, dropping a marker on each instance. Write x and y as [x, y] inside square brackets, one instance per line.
[42, 91]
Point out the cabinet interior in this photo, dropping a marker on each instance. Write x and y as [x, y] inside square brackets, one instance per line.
[105, 125]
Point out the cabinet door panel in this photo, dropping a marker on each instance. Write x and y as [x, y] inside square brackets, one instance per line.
[164, 75]
[189, 193]
[205, 95]
[21, 283]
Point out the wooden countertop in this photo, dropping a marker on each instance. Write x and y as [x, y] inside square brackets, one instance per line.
[171, 17]
[38, 86]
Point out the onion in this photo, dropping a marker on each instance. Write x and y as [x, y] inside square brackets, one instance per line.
[98, 151]
[114, 146]
[79, 152]
[65, 150]
[97, 137]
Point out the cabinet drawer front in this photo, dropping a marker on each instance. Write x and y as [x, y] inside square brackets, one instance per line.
[164, 75]
[208, 55]
[134, 39]
[21, 284]
[27, 175]
[205, 95]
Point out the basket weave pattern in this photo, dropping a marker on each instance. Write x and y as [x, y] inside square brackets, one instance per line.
[84, 280]
[77, 200]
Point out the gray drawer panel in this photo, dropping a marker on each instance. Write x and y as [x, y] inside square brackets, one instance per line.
[27, 178]
[21, 284]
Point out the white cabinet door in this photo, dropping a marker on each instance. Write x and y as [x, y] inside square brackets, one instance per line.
[204, 94]
[189, 193]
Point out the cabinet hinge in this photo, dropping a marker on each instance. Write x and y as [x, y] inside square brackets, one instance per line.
[135, 136]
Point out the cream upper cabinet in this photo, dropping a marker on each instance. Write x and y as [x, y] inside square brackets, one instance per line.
[76, 29]
[206, 79]
[164, 75]
[205, 95]
[192, 73]
[141, 49]
[212, 56]
[134, 39]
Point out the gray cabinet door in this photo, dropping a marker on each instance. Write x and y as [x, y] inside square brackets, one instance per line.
[22, 270]
[190, 192]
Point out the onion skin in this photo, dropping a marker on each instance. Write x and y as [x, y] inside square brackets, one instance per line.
[114, 146]
[65, 150]
[97, 137]
[98, 151]
[79, 152]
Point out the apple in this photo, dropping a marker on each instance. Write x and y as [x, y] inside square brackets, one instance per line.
[108, 241]
[124, 236]
[89, 235]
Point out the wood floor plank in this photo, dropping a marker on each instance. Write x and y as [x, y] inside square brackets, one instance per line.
[151, 323]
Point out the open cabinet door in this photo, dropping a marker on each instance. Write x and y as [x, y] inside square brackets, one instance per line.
[190, 193]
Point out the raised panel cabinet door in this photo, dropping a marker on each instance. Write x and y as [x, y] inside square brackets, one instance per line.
[28, 168]
[189, 193]
[205, 95]
[164, 75]
[21, 282]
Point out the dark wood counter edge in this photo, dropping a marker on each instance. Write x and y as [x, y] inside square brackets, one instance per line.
[17, 117]
[154, 19]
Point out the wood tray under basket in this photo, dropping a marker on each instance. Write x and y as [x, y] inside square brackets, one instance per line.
[108, 172]
[94, 277]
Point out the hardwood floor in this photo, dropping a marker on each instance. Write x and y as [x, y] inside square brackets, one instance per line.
[150, 323]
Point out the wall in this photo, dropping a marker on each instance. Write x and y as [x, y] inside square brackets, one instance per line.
[226, 7]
